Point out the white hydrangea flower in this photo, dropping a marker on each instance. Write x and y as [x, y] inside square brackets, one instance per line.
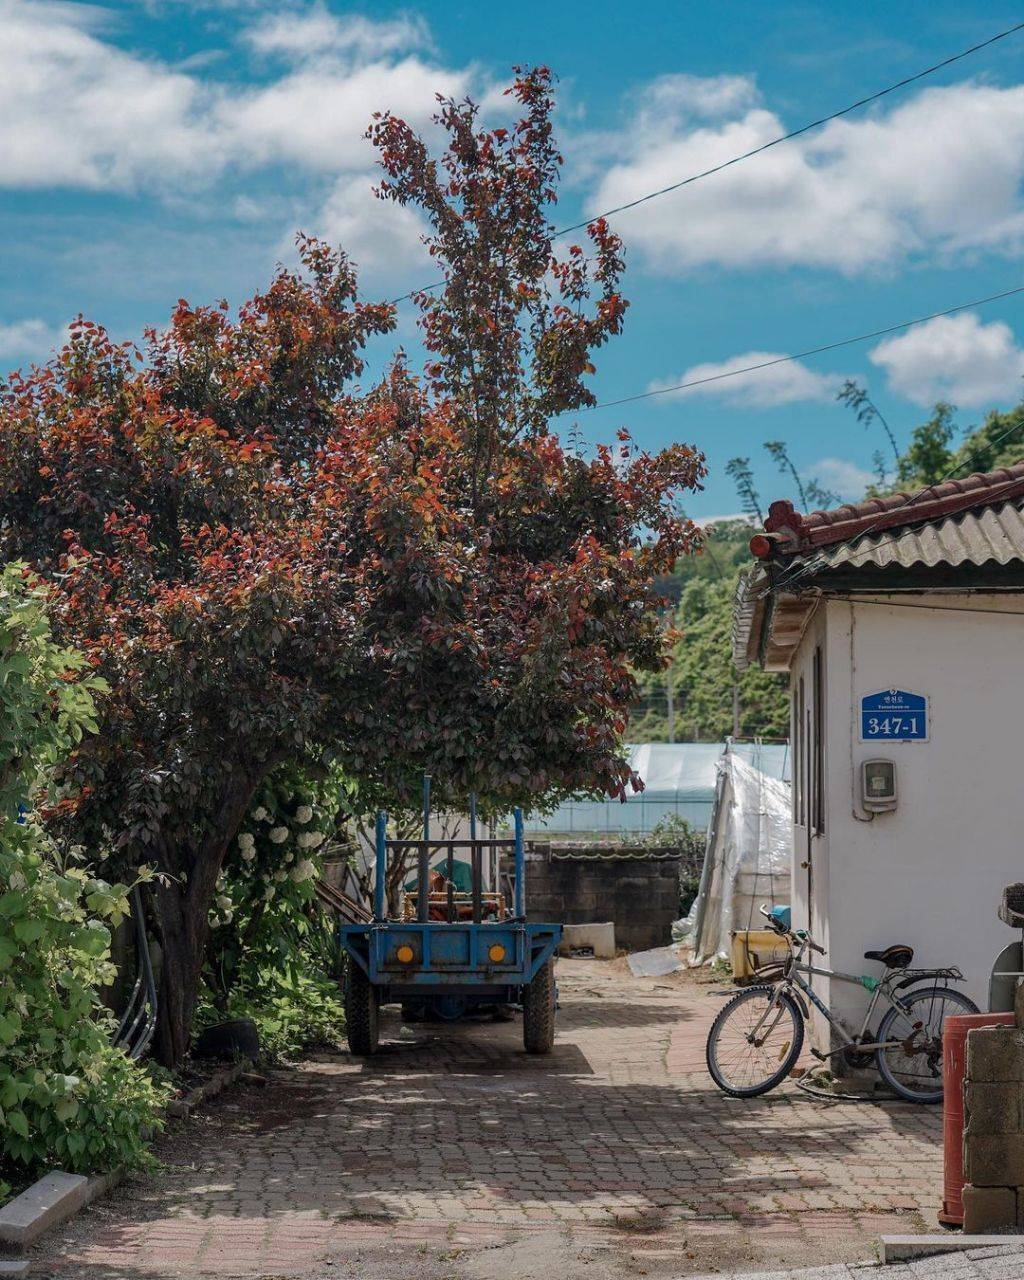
[310, 839]
[279, 876]
[248, 854]
[268, 893]
[289, 856]
[246, 840]
[260, 814]
[306, 870]
[304, 814]
[278, 835]
[224, 902]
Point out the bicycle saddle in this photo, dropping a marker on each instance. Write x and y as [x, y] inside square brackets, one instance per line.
[894, 957]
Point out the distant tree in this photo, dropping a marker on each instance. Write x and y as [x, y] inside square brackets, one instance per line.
[856, 398]
[928, 458]
[743, 478]
[703, 678]
[813, 496]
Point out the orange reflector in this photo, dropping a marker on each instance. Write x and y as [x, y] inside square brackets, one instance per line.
[496, 953]
[405, 954]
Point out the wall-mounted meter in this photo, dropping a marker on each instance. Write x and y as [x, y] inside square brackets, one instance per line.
[878, 785]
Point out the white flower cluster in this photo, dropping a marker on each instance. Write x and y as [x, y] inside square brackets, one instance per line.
[310, 839]
[247, 846]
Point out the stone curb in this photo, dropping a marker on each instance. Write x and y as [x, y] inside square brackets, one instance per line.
[182, 1108]
[49, 1201]
[903, 1248]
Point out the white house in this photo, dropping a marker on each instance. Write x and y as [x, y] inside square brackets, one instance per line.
[901, 624]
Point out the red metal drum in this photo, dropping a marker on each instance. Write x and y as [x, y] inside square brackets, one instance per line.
[954, 1052]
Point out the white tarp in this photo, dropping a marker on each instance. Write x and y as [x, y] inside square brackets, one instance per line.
[748, 856]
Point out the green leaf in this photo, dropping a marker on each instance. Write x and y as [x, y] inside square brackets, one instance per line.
[18, 1122]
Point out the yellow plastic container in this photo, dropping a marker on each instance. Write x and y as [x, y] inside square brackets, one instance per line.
[752, 949]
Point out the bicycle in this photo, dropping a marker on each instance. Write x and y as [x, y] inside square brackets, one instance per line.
[757, 1037]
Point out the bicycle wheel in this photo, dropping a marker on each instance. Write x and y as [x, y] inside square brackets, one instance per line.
[913, 1067]
[744, 1066]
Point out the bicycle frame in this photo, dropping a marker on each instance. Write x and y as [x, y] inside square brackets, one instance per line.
[880, 989]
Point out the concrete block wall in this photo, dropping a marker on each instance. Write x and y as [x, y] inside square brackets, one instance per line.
[994, 1129]
[639, 894]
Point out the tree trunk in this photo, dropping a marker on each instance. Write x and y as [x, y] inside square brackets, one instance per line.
[182, 915]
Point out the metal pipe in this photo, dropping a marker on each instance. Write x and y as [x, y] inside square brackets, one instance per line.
[423, 859]
[520, 867]
[380, 876]
[451, 884]
[476, 863]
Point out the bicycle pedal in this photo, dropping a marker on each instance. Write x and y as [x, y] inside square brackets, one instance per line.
[822, 1057]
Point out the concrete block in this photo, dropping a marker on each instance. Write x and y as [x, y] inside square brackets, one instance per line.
[991, 1108]
[994, 1161]
[995, 1054]
[599, 936]
[53, 1198]
[14, 1267]
[903, 1248]
[989, 1209]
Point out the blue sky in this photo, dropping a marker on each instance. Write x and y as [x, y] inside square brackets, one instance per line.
[157, 150]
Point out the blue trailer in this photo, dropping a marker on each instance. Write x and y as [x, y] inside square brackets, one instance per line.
[454, 950]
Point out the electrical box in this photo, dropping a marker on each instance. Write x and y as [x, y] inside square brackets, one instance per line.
[878, 785]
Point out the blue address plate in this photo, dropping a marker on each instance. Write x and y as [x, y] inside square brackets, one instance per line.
[894, 715]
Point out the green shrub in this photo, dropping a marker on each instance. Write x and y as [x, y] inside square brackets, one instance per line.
[67, 1097]
[271, 955]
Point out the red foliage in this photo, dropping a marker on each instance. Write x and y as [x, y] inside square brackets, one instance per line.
[417, 579]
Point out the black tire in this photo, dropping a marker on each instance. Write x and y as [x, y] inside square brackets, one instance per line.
[916, 1076]
[362, 1012]
[539, 1010]
[790, 1025]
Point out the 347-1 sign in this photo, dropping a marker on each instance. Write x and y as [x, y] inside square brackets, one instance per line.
[893, 715]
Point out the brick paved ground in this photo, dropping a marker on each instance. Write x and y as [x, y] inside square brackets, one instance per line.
[453, 1153]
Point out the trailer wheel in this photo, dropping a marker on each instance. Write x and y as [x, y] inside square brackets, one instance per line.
[362, 1012]
[539, 1010]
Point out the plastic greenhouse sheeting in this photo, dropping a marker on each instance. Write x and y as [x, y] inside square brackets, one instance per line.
[680, 778]
[748, 856]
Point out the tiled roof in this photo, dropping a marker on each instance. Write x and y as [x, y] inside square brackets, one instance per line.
[896, 510]
[992, 535]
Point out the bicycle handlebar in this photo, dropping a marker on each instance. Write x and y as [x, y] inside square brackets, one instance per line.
[801, 935]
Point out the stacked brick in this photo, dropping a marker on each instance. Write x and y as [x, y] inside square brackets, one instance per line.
[994, 1128]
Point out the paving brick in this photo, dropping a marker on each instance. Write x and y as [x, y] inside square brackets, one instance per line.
[453, 1130]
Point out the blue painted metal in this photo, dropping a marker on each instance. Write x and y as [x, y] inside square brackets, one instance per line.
[449, 961]
[380, 871]
[449, 955]
[520, 908]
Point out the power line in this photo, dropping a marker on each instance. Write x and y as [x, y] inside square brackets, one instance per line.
[796, 133]
[765, 146]
[803, 355]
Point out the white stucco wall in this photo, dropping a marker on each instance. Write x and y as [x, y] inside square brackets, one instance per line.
[931, 873]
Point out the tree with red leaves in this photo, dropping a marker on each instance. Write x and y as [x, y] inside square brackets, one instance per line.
[263, 562]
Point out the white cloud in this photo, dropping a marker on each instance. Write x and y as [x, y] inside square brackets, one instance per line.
[28, 339]
[79, 111]
[841, 476]
[317, 32]
[954, 358]
[785, 383]
[940, 172]
[378, 235]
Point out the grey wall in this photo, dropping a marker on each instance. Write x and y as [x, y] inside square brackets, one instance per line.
[640, 895]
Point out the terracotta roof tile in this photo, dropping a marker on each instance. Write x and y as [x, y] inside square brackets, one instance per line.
[896, 510]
